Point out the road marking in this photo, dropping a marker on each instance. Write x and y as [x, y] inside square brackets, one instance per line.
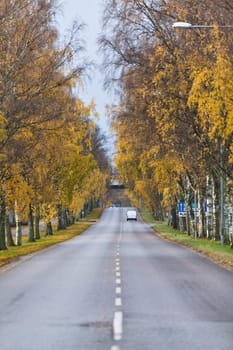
[117, 325]
[118, 315]
[118, 290]
[118, 302]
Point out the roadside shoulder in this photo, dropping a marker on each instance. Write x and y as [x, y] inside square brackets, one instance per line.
[208, 249]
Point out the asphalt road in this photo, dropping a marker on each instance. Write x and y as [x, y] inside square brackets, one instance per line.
[116, 287]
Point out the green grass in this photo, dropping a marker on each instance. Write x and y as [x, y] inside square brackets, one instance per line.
[147, 216]
[212, 249]
[93, 216]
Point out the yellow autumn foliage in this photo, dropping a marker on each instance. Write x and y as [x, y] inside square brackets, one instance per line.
[212, 95]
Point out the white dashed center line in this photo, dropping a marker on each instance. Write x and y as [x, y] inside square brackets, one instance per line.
[118, 290]
[118, 315]
[117, 325]
[115, 347]
[118, 302]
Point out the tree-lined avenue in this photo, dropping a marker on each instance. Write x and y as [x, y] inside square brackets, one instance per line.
[116, 277]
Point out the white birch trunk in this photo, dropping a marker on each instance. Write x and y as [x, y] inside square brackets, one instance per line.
[209, 205]
[18, 232]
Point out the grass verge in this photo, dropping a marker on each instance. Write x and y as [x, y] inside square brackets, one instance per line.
[12, 253]
[93, 216]
[210, 248]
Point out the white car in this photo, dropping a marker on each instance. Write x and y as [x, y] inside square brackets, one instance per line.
[131, 214]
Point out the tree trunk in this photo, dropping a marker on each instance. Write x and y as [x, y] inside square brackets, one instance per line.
[49, 229]
[182, 224]
[201, 217]
[187, 216]
[31, 235]
[157, 208]
[61, 223]
[37, 222]
[209, 207]
[216, 211]
[2, 223]
[18, 230]
[66, 217]
[9, 237]
[91, 205]
[174, 221]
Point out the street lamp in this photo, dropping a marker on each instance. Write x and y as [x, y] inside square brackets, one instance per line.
[186, 25]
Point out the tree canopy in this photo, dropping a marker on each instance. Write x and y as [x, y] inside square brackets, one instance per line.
[174, 120]
[47, 135]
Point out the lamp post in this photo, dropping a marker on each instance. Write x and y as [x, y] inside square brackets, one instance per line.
[186, 25]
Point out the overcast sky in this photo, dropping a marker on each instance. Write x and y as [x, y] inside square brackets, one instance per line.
[89, 12]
